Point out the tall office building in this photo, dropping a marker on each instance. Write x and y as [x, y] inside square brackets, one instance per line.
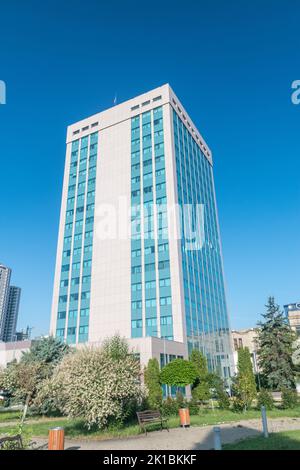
[5, 274]
[9, 305]
[10, 324]
[139, 248]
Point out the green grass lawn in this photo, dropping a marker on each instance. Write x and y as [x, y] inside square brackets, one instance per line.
[75, 428]
[15, 415]
[9, 415]
[288, 440]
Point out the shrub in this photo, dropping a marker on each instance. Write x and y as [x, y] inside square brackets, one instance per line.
[169, 407]
[289, 398]
[223, 398]
[238, 405]
[217, 390]
[48, 400]
[201, 392]
[193, 407]
[264, 398]
[180, 400]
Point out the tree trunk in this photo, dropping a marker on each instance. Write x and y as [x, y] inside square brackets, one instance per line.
[25, 409]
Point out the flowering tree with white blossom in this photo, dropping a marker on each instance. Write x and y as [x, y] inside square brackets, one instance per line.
[100, 385]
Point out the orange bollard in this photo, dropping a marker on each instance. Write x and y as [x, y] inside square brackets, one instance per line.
[56, 439]
[184, 414]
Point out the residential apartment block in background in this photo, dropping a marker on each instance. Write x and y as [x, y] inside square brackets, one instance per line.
[155, 283]
[9, 305]
[12, 313]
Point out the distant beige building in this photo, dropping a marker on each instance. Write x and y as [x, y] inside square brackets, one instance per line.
[12, 351]
[293, 314]
[245, 338]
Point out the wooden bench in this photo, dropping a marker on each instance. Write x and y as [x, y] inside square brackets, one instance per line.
[15, 440]
[151, 417]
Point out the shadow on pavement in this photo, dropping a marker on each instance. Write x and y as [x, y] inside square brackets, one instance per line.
[243, 438]
[230, 435]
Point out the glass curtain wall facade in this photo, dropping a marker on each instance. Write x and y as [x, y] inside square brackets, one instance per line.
[75, 280]
[151, 305]
[204, 294]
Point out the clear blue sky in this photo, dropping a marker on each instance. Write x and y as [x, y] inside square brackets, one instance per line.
[230, 62]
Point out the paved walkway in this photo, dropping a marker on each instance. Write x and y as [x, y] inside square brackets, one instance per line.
[194, 438]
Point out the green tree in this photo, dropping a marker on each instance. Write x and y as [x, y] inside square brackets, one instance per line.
[206, 381]
[22, 380]
[275, 348]
[179, 373]
[200, 362]
[116, 347]
[218, 390]
[244, 386]
[201, 392]
[152, 382]
[48, 350]
[222, 397]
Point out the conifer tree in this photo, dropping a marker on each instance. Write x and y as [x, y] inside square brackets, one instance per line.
[275, 348]
[201, 386]
[152, 381]
[244, 387]
[201, 364]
